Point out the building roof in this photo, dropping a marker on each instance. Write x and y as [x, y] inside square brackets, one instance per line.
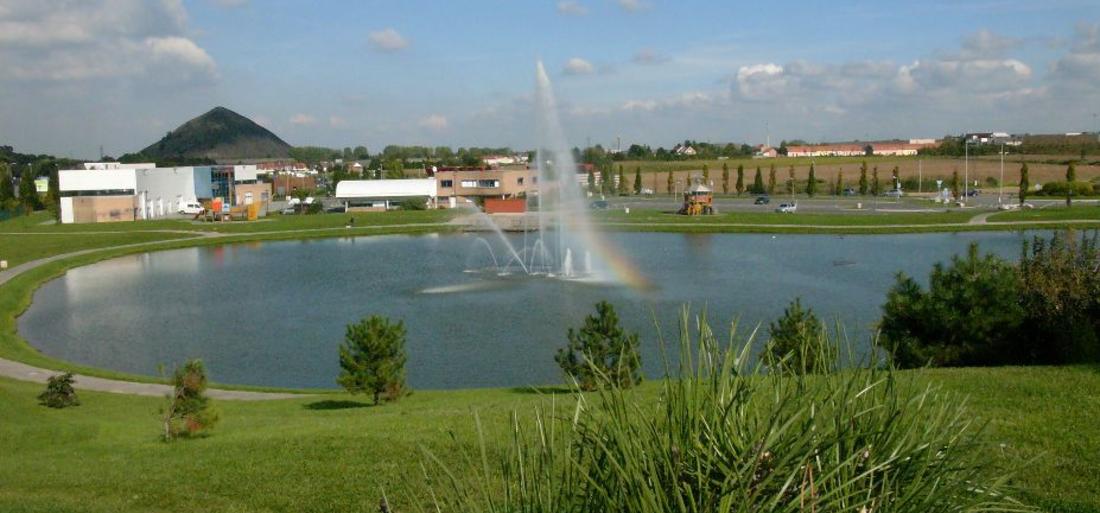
[406, 188]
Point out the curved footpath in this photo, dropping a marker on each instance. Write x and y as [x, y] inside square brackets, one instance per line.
[23, 372]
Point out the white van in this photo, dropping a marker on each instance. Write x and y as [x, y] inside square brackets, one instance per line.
[190, 207]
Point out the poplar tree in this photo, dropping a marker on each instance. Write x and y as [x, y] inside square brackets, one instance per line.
[706, 175]
[839, 183]
[623, 190]
[1071, 179]
[1024, 185]
[591, 180]
[875, 187]
[638, 180]
[669, 185]
[811, 183]
[28, 195]
[740, 179]
[758, 182]
[771, 179]
[863, 179]
[955, 184]
[725, 178]
[790, 181]
[7, 189]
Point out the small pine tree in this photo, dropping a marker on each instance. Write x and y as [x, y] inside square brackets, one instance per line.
[839, 184]
[955, 184]
[758, 182]
[623, 190]
[668, 185]
[725, 178]
[876, 188]
[189, 410]
[771, 179]
[1071, 180]
[811, 182]
[1024, 184]
[601, 353]
[740, 185]
[706, 175]
[638, 180]
[372, 358]
[798, 342]
[59, 392]
[863, 179]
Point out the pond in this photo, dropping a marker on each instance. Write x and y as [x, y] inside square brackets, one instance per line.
[274, 313]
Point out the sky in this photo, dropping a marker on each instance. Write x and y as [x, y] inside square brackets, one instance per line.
[77, 75]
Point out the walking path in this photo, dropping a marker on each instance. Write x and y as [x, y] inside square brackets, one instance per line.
[21, 371]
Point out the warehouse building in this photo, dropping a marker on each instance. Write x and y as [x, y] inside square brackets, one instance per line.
[379, 195]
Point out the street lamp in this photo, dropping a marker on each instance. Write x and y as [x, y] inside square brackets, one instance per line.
[1001, 194]
[966, 170]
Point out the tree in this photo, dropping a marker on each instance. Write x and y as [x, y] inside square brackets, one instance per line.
[53, 195]
[606, 182]
[811, 182]
[740, 185]
[638, 180]
[839, 189]
[798, 342]
[1071, 180]
[7, 188]
[372, 358]
[395, 170]
[706, 175]
[59, 392]
[623, 189]
[896, 177]
[669, 184]
[725, 178]
[955, 184]
[876, 187]
[591, 180]
[601, 353]
[1025, 186]
[771, 179]
[189, 410]
[1060, 297]
[28, 194]
[758, 182]
[790, 181]
[863, 179]
[969, 315]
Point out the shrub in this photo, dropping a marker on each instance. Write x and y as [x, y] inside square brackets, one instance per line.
[59, 392]
[797, 342]
[1060, 295]
[969, 315]
[372, 358]
[725, 437]
[1060, 189]
[601, 353]
[189, 410]
[413, 204]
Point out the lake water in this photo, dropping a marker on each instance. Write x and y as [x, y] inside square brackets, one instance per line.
[274, 313]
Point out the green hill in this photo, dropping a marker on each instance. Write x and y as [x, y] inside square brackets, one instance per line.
[218, 134]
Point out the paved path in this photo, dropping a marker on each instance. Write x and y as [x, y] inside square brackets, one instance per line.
[24, 372]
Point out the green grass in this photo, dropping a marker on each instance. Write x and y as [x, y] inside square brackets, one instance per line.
[39, 223]
[1077, 212]
[17, 249]
[336, 454]
[867, 218]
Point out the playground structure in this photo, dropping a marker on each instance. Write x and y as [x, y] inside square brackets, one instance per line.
[698, 200]
[214, 210]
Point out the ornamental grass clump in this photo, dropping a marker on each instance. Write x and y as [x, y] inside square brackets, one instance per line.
[725, 436]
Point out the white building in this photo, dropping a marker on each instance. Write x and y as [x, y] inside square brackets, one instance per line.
[117, 165]
[385, 194]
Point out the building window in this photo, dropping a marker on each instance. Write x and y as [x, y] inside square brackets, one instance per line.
[519, 180]
[481, 184]
[447, 184]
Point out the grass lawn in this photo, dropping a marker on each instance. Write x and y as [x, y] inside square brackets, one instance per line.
[1088, 211]
[336, 453]
[38, 223]
[17, 249]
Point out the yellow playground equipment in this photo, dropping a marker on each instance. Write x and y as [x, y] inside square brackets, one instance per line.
[698, 200]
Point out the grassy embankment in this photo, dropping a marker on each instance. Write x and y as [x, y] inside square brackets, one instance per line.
[335, 453]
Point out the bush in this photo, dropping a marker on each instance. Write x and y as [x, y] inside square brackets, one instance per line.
[1060, 189]
[969, 315]
[189, 410]
[413, 204]
[59, 392]
[797, 342]
[725, 437]
[1060, 295]
[373, 358]
[601, 353]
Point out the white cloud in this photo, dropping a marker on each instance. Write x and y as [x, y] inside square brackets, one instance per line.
[100, 39]
[632, 5]
[578, 66]
[388, 40]
[1079, 70]
[435, 122]
[302, 120]
[572, 8]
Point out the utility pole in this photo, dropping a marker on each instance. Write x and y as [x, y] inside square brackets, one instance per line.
[1002, 193]
[966, 169]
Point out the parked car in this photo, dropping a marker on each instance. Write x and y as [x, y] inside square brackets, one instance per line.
[894, 193]
[190, 207]
[849, 192]
[762, 200]
[787, 208]
[973, 192]
[599, 205]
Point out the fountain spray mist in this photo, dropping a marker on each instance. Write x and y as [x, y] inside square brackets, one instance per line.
[564, 227]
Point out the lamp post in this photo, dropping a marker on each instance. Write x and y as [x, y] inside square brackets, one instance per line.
[1001, 194]
[966, 171]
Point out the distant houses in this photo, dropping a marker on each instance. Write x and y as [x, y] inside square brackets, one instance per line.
[884, 148]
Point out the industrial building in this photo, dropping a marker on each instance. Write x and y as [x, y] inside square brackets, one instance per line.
[379, 195]
[106, 192]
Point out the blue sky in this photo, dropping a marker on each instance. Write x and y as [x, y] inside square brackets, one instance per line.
[77, 74]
